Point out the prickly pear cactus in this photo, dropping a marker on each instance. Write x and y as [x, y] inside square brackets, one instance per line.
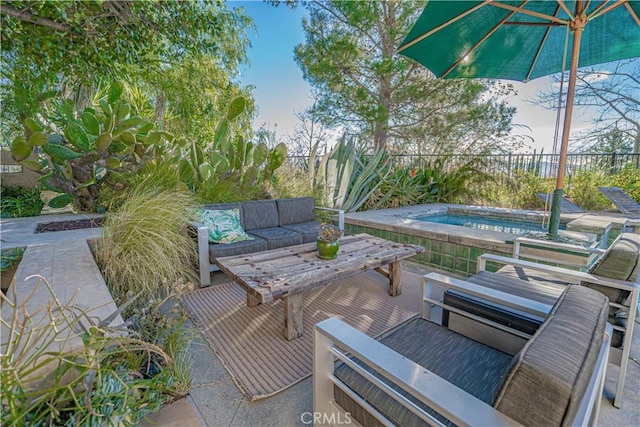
[243, 161]
[275, 159]
[90, 149]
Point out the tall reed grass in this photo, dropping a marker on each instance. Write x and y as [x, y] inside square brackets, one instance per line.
[146, 247]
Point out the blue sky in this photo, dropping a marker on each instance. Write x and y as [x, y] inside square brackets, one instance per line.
[280, 90]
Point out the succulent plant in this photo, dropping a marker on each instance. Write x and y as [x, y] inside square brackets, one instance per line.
[78, 152]
[246, 161]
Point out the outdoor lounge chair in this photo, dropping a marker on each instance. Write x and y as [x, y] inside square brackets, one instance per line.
[422, 373]
[621, 200]
[566, 206]
[616, 274]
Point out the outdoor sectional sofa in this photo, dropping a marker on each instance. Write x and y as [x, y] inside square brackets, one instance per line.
[423, 373]
[272, 224]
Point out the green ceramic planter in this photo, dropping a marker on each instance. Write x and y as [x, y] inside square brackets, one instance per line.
[327, 250]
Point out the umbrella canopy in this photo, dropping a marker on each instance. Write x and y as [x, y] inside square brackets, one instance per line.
[524, 40]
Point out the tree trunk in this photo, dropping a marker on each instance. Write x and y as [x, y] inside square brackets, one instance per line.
[160, 109]
[636, 146]
[381, 131]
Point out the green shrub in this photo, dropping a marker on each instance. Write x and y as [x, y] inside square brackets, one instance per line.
[584, 191]
[18, 202]
[517, 192]
[146, 247]
[62, 367]
[228, 189]
[629, 180]
[289, 181]
[10, 257]
[400, 188]
[450, 179]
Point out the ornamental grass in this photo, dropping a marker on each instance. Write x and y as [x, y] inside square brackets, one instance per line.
[146, 247]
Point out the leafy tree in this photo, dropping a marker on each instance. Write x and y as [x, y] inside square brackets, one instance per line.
[613, 93]
[309, 137]
[364, 87]
[187, 98]
[47, 46]
[614, 141]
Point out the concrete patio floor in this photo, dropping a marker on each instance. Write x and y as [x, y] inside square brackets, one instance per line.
[214, 400]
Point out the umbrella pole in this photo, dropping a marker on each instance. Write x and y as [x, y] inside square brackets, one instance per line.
[554, 221]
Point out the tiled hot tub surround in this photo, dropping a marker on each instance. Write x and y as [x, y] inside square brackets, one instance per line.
[447, 247]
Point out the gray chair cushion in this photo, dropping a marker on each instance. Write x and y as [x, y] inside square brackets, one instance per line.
[309, 230]
[278, 237]
[538, 288]
[621, 262]
[470, 365]
[551, 372]
[217, 250]
[259, 214]
[296, 210]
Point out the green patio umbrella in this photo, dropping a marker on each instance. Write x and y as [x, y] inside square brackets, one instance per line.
[524, 40]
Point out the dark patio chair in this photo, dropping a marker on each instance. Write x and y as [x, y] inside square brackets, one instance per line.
[566, 206]
[621, 200]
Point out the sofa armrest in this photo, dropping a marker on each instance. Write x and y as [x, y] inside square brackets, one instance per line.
[571, 276]
[514, 339]
[492, 295]
[335, 212]
[336, 339]
[579, 257]
[204, 265]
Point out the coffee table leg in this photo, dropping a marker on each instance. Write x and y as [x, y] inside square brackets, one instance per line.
[395, 278]
[293, 324]
[252, 300]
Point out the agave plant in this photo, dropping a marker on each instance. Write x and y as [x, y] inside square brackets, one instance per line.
[349, 177]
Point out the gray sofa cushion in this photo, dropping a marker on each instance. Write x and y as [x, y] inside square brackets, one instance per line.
[551, 372]
[259, 214]
[278, 237]
[296, 210]
[470, 365]
[217, 250]
[309, 230]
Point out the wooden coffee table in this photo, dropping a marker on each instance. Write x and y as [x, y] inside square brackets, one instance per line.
[286, 272]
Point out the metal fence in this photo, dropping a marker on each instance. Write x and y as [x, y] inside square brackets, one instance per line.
[505, 165]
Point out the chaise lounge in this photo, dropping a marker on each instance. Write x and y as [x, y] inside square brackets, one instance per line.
[566, 206]
[621, 200]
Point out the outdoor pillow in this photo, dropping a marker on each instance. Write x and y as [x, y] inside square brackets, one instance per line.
[223, 225]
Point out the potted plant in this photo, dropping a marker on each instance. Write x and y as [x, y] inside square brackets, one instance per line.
[328, 241]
